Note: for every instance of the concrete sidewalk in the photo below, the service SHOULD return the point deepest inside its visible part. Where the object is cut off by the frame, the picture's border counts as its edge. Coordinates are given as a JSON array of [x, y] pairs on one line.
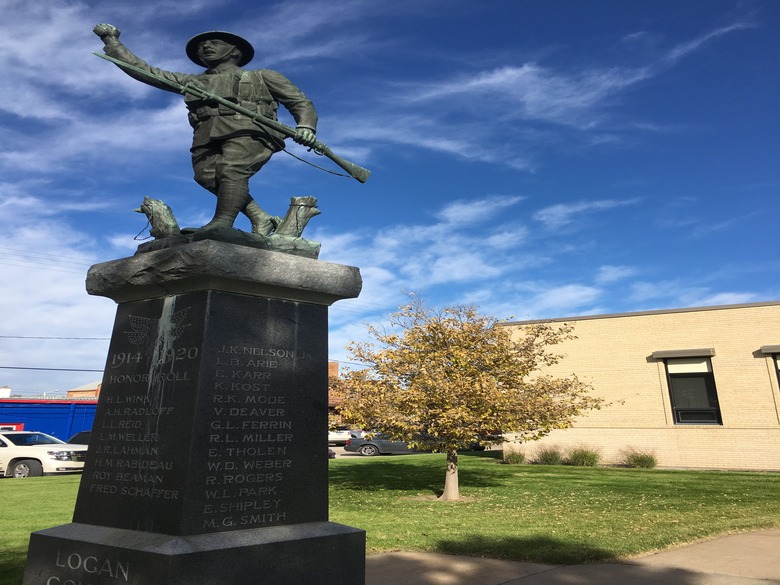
[[740, 559]]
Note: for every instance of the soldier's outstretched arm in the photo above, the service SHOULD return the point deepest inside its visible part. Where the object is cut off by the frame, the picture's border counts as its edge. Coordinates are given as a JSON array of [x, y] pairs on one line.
[[109, 34]]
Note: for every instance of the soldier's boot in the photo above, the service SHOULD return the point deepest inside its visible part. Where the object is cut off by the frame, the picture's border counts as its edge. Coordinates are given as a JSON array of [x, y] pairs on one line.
[[263, 223], [231, 199]]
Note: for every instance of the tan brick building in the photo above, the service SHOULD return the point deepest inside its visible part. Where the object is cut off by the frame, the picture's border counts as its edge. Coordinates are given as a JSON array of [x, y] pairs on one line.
[[697, 387]]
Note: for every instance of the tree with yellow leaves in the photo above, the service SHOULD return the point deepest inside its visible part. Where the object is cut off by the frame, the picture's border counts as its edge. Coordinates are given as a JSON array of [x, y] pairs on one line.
[[443, 379]]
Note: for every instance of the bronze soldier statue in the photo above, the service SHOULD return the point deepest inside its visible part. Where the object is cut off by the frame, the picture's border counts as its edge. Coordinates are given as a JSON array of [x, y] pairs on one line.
[[227, 147]]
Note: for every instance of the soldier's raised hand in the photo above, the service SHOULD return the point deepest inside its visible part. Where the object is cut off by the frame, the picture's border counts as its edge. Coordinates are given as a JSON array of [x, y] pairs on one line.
[[106, 31]]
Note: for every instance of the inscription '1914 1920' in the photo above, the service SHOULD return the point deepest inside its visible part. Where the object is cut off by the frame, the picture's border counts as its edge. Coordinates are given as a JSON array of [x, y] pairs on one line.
[[128, 460]]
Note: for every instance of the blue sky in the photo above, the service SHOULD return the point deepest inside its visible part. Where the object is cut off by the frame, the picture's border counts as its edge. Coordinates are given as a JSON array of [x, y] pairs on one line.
[[537, 159]]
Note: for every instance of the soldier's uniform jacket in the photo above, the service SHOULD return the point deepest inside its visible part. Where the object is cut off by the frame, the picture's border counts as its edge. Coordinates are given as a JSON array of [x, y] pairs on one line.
[[260, 90]]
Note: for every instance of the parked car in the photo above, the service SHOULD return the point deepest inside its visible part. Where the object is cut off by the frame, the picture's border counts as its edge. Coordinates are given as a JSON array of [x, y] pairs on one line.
[[341, 435], [81, 438], [378, 444], [29, 454]]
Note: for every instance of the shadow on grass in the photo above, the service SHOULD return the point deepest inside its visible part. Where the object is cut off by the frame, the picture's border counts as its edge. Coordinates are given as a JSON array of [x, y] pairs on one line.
[[424, 569], [537, 549], [402, 473], [12, 566], [492, 454]]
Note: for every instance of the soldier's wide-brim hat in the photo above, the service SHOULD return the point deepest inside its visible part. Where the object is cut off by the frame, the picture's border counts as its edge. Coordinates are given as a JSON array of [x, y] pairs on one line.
[[247, 51]]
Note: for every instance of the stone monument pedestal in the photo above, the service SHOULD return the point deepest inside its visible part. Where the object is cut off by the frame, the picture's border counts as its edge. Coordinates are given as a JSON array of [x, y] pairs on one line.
[[207, 462]]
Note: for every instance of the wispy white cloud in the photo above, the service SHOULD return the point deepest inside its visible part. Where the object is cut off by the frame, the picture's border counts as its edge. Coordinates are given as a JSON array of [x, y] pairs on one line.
[[142, 11], [681, 293], [561, 214], [567, 296], [639, 37], [311, 30], [476, 211], [99, 140], [684, 49], [123, 242], [19, 207], [683, 217], [611, 274], [541, 299], [553, 100], [536, 92], [464, 138], [466, 243], [507, 239], [726, 298]]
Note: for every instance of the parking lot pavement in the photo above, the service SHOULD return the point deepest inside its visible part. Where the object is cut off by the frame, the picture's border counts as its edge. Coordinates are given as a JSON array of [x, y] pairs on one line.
[[341, 453]]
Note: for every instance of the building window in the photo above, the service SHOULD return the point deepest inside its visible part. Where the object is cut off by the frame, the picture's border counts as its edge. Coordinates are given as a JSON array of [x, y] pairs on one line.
[[773, 351], [692, 391]]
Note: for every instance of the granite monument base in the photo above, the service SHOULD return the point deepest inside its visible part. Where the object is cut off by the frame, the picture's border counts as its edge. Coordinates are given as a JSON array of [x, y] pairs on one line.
[[207, 462], [301, 554]]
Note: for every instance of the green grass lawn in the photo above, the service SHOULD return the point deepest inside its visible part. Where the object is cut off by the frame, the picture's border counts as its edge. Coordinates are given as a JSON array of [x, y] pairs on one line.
[[30, 504], [546, 514], [549, 514]]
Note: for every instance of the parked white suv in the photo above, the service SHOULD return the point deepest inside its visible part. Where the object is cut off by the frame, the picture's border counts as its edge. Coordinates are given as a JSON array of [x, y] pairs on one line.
[[339, 436], [29, 454]]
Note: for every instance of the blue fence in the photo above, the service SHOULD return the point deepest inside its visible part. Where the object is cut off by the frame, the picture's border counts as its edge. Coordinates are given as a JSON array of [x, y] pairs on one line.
[[60, 418]]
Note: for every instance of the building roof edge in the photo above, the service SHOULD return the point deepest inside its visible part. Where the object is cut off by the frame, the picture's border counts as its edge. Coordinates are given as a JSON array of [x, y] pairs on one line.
[[646, 313]]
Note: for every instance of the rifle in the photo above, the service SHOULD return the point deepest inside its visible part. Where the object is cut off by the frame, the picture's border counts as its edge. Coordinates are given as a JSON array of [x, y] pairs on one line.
[[355, 171]]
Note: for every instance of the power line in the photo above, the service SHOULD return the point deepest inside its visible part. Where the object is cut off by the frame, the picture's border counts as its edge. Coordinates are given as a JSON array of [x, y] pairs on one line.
[[97, 339], [42, 261], [42, 267], [349, 363], [86, 370], [47, 369], [70, 338], [59, 258]]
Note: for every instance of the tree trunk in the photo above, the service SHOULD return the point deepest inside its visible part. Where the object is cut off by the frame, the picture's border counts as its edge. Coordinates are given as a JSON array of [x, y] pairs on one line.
[[301, 210], [451, 491]]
